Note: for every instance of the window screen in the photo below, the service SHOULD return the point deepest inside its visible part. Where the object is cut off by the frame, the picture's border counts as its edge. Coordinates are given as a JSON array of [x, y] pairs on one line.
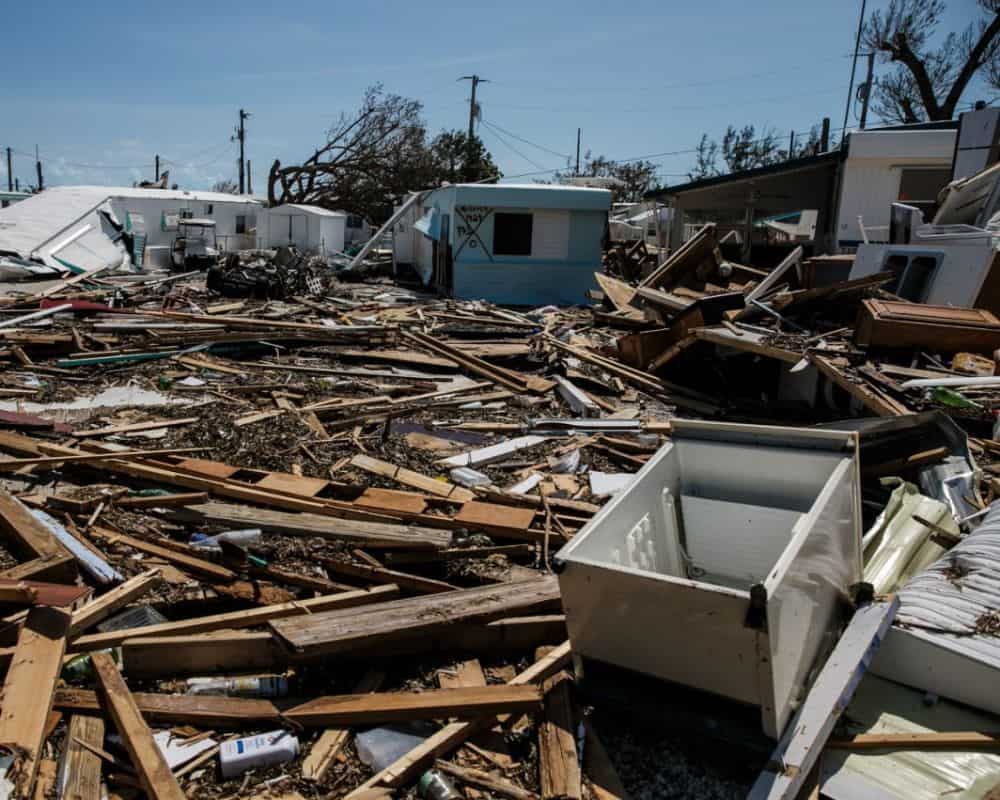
[[512, 234]]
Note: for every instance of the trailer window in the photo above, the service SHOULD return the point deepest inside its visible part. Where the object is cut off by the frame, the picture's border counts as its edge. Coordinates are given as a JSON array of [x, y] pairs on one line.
[[241, 223], [512, 234]]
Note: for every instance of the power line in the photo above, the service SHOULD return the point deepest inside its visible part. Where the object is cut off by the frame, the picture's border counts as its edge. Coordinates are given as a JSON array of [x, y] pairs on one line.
[[510, 146], [522, 139]]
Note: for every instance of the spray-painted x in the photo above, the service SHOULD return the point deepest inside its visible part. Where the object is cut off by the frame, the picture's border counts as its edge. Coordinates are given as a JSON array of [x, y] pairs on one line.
[[473, 231]]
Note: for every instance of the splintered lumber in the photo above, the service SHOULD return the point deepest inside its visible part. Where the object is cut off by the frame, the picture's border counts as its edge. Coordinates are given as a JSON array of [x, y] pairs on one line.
[[404, 580], [14, 464], [505, 521], [163, 500], [373, 709], [416, 480], [131, 427], [802, 743], [180, 709], [237, 619], [108, 603], [324, 752], [27, 691], [950, 740], [190, 563], [558, 764], [81, 767], [451, 736], [49, 568], [483, 780], [154, 774], [234, 652], [20, 527], [286, 523], [338, 631], [914, 461]]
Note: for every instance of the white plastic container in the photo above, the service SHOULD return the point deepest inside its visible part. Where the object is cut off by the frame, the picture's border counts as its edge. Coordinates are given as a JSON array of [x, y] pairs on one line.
[[254, 752]]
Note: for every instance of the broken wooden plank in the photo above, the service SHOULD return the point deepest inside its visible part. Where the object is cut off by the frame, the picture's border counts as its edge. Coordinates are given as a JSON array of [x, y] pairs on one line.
[[409, 477], [505, 521], [155, 776], [28, 691], [605, 783], [377, 708], [234, 620], [14, 464], [31, 537], [132, 427], [873, 400], [163, 500], [323, 754], [180, 709], [558, 765], [359, 532], [197, 565], [236, 652], [108, 603], [492, 453], [451, 736], [81, 767], [895, 466], [38, 593], [404, 580], [337, 631], [927, 741]]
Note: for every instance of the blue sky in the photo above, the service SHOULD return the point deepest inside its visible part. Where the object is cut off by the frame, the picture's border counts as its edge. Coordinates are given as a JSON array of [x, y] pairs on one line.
[[102, 87]]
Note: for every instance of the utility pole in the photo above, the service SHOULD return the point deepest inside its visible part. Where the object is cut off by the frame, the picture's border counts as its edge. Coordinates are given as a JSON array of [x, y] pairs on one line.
[[10, 173], [868, 89], [791, 146], [249, 179], [241, 135], [824, 137], [854, 66], [473, 113], [578, 151], [157, 159], [38, 169]]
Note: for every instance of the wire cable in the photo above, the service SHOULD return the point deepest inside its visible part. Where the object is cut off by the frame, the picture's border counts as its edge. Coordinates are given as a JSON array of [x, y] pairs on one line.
[[522, 139], [511, 147]]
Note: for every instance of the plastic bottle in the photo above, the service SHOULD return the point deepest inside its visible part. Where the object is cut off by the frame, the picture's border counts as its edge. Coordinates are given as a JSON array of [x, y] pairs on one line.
[[251, 752], [259, 686], [433, 785], [82, 667]]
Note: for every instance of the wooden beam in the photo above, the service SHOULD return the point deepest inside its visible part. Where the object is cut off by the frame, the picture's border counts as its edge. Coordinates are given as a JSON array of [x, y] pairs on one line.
[[323, 754], [151, 425], [27, 691], [235, 652], [108, 603], [238, 619], [451, 736], [181, 709], [190, 563], [154, 774], [40, 593], [48, 568], [558, 765], [163, 500], [913, 461], [81, 766], [375, 709], [337, 631]]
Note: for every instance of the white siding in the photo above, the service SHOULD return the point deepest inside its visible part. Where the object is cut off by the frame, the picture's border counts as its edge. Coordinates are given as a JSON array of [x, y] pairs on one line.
[[550, 235]]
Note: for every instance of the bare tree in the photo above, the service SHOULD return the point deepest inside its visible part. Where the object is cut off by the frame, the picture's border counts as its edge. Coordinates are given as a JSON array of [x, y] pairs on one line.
[[928, 81], [363, 152], [226, 187], [741, 149]]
